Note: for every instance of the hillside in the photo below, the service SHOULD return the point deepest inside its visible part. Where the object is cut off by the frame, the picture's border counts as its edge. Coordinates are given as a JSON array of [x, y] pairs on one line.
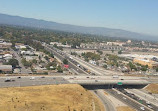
[[153, 88], [35, 23], [48, 98]]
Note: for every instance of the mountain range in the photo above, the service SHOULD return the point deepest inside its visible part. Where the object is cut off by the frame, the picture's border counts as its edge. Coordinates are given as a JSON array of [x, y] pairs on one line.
[[35, 23]]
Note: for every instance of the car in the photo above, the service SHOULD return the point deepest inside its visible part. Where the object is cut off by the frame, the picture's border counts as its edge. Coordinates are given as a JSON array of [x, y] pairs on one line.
[[71, 78], [142, 108], [19, 77], [96, 80], [149, 106], [122, 79], [32, 78], [148, 102], [7, 80], [42, 77], [124, 98], [13, 80]]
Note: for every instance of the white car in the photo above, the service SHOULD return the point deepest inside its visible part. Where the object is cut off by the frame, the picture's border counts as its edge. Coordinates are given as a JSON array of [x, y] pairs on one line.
[[32, 78], [142, 108], [149, 106]]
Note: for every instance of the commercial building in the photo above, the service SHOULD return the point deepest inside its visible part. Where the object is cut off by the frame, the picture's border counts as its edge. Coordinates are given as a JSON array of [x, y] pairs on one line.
[[6, 69], [145, 61]]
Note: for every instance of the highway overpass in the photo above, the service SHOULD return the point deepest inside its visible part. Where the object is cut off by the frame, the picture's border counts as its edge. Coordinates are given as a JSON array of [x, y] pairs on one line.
[[82, 80]]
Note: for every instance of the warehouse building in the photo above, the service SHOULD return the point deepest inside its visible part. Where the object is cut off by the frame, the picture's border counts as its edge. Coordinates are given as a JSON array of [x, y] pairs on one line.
[[145, 61]]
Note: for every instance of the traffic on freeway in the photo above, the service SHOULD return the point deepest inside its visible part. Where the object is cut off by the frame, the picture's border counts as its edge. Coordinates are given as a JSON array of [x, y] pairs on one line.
[[131, 101], [30, 81]]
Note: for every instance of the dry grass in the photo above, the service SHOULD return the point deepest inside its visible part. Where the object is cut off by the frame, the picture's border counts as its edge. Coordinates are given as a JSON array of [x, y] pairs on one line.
[[124, 108], [153, 88], [48, 98]]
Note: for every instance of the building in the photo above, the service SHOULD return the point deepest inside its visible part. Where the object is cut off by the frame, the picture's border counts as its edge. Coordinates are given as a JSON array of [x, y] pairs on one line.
[[60, 44], [102, 46], [6, 69], [115, 43], [129, 41], [145, 61], [7, 57]]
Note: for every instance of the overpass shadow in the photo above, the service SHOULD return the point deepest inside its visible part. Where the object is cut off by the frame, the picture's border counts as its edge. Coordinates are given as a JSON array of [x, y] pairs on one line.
[[110, 86]]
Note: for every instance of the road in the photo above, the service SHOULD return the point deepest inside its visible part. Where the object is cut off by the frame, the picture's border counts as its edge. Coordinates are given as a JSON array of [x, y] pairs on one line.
[[94, 68], [83, 80], [61, 56], [26, 81], [126, 100], [148, 97], [107, 104], [23, 69]]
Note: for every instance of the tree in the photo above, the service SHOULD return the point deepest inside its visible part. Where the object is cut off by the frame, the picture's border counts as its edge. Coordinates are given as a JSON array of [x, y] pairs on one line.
[[132, 66], [100, 52], [13, 62], [59, 69], [157, 69], [120, 52], [51, 55], [144, 69], [34, 61], [46, 57], [105, 66], [65, 61], [26, 63]]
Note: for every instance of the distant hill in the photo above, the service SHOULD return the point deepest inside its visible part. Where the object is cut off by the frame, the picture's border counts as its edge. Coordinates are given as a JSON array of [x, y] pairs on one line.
[[30, 22]]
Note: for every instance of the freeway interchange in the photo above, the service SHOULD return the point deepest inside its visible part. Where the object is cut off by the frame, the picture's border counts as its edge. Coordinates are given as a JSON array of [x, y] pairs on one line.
[[89, 75]]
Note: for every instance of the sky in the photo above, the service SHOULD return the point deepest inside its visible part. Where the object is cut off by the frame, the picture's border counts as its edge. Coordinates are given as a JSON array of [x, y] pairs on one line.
[[133, 15]]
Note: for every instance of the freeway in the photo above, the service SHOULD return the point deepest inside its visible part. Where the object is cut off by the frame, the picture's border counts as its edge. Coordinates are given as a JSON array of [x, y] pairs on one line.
[[151, 100], [127, 100], [16, 81], [83, 80], [94, 68], [61, 56], [106, 102]]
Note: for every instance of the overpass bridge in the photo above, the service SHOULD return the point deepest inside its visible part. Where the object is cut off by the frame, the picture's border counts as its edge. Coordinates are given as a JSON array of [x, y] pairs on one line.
[[82, 80]]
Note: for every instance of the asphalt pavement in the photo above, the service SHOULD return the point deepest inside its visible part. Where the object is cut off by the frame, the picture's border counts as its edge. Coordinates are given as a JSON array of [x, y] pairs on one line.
[[61, 56], [126, 100], [31, 81], [107, 104]]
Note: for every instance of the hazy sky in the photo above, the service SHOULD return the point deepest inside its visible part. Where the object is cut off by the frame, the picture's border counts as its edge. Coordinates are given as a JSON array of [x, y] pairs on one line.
[[134, 15]]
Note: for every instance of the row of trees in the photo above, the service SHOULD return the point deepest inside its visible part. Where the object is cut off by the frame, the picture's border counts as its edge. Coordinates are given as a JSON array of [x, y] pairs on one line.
[[90, 55]]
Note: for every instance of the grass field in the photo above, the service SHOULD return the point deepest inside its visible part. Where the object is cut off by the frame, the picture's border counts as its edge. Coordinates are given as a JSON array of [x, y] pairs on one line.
[[48, 98], [124, 108], [153, 88]]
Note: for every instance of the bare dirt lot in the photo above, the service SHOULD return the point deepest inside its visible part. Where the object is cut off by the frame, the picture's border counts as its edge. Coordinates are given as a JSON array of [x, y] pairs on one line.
[[153, 88], [49, 98], [124, 108]]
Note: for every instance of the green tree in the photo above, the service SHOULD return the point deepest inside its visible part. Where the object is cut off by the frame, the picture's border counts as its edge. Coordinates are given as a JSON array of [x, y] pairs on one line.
[[34, 61], [105, 66], [65, 61], [120, 52], [59, 69], [100, 52], [13, 62], [157, 69]]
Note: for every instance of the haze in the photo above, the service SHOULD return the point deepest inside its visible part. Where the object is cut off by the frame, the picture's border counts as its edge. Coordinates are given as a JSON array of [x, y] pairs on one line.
[[136, 15]]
